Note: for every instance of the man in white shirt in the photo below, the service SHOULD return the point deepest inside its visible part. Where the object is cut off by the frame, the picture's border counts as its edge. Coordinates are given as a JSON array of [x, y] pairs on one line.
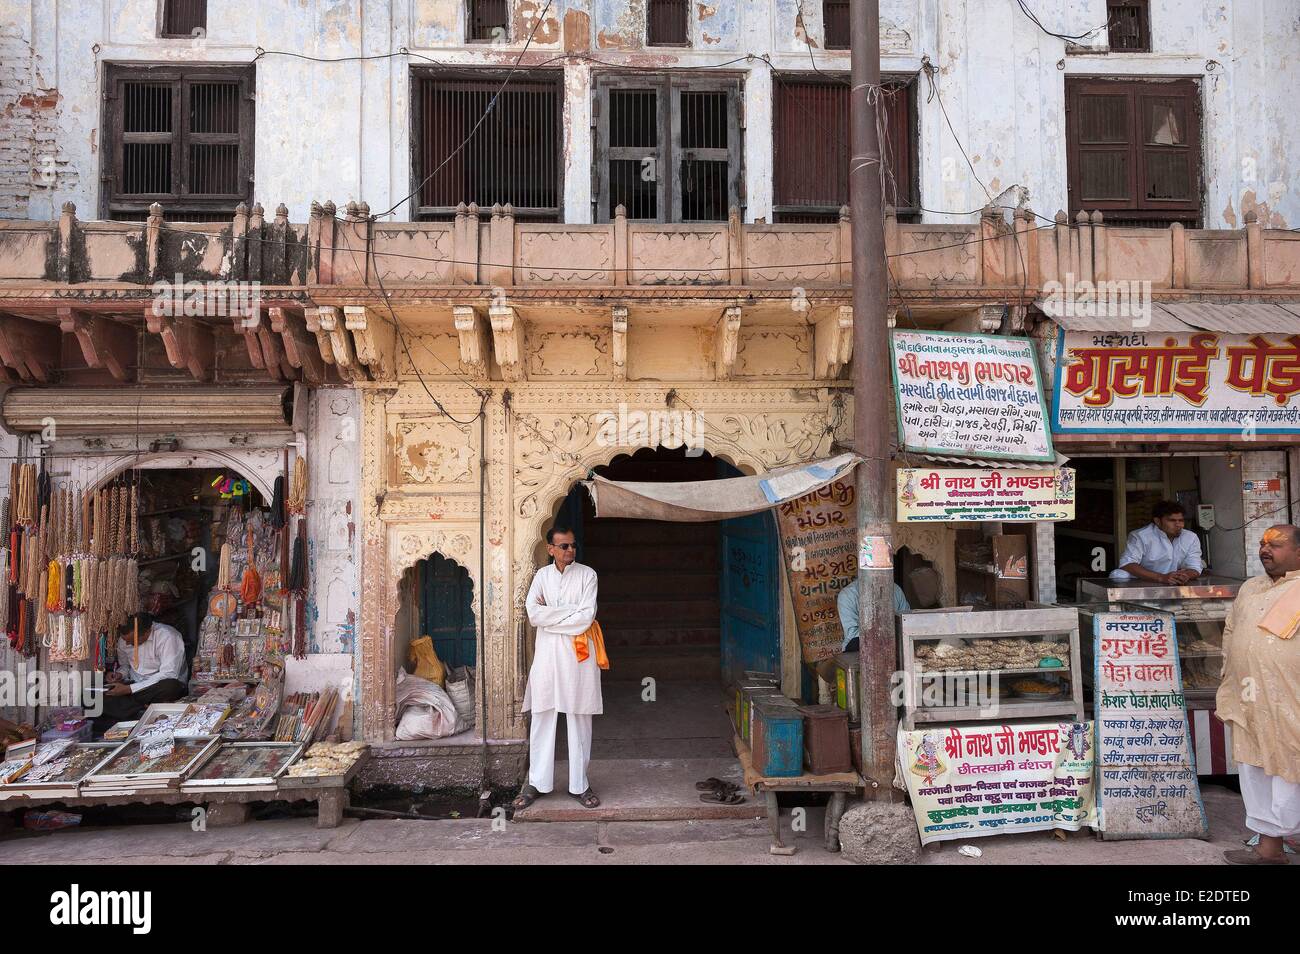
[[154, 672], [561, 605], [1162, 551]]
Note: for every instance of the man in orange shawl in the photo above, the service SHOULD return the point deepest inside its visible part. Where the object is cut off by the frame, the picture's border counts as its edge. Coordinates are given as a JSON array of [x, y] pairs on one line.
[[1260, 696]]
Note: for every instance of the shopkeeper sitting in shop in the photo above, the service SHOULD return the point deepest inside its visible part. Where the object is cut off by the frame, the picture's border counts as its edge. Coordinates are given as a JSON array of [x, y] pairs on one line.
[[150, 669], [1162, 551], [847, 606]]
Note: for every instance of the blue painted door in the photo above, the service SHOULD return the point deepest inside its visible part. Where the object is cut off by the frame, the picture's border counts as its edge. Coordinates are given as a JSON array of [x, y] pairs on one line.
[[751, 622], [446, 610]]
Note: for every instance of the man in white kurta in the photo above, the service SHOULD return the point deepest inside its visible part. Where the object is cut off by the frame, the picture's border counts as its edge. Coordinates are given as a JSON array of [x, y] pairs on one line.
[[561, 605], [1260, 696]]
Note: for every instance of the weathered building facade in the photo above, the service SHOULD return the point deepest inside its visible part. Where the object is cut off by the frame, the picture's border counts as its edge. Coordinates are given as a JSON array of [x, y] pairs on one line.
[[503, 229]]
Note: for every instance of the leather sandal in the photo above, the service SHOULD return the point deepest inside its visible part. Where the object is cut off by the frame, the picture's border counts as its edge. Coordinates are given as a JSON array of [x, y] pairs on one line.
[[587, 799], [527, 795], [716, 785]]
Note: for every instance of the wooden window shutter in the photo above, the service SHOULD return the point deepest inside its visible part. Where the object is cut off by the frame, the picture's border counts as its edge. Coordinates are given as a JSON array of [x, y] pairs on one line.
[[1169, 136], [1133, 149], [1100, 147]]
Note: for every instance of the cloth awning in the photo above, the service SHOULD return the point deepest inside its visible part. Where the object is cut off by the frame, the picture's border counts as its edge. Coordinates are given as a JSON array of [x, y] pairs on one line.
[[701, 501], [1183, 316]]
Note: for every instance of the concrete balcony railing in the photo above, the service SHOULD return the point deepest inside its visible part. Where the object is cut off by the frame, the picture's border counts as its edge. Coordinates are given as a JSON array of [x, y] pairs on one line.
[[990, 257]]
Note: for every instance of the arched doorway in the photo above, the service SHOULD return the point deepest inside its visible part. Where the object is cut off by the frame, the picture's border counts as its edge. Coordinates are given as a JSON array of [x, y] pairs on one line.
[[436, 600], [690, 606]]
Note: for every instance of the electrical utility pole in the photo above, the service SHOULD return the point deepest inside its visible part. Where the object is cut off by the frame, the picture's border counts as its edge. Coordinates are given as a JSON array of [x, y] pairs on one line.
[[871, 397]]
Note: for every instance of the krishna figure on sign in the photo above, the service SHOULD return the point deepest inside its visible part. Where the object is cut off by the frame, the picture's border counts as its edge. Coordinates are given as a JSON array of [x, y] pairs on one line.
[[927, 762]]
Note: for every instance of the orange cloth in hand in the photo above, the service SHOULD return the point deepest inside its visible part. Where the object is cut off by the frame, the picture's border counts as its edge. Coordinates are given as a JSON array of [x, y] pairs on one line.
[[581, 643]]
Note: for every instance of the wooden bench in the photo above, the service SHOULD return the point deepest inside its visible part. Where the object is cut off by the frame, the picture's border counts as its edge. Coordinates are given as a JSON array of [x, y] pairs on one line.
[[330, 793], [840, 785]]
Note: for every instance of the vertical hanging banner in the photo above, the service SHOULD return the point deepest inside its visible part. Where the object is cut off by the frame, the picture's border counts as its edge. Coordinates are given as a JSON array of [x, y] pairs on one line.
[[818, 541], [969, 395], [1147, 779]]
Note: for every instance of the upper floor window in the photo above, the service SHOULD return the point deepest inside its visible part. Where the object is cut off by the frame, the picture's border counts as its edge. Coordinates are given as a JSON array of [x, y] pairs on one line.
[[178, 136], [666, 22], [667, 147], [1128, 23], [1133, 150], [811, 133], [513, 157], [488, 20], [835, 24], [186, 18]]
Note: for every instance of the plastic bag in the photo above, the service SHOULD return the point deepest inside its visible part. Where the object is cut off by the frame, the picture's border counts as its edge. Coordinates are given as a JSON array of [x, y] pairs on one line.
[[424, 710]]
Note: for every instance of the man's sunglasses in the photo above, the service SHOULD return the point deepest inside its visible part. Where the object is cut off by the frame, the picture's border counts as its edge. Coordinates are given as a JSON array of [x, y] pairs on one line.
[[565, 546]]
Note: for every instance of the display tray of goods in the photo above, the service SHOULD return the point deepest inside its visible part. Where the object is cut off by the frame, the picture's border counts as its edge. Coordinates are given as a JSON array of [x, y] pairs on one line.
[[1038, 690], [326, 759], [1011, 653]]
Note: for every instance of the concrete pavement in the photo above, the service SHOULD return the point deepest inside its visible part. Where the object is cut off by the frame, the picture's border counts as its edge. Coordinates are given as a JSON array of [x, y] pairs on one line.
[[471, 841]]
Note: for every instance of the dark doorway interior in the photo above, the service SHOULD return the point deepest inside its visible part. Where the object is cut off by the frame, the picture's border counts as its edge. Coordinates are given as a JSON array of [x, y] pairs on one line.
[[685, 605]]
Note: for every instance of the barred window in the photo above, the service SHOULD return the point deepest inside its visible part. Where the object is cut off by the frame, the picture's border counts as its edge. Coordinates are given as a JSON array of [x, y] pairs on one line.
[[488, 20], [666, 22], [667, 148], [513, 156], [811, 133], [182, 138], [186, 18]]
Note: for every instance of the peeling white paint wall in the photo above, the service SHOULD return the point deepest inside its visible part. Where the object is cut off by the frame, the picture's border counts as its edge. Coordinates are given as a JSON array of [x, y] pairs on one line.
[[340, 130]]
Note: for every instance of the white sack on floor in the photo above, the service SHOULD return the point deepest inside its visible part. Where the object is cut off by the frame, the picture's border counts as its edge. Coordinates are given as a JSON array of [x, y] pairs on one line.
[[424, 710]]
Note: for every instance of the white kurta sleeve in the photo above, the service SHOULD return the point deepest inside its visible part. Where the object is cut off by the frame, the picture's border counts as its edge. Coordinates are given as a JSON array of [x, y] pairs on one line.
[[171, 661], [1193, 560], [567, 619]]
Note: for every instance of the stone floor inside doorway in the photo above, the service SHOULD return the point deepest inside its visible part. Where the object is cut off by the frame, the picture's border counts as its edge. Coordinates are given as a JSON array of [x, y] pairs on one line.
[[647, 755]]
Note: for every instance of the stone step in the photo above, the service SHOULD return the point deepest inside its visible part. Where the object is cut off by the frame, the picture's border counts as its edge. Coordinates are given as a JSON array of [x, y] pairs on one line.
[[644, 790]]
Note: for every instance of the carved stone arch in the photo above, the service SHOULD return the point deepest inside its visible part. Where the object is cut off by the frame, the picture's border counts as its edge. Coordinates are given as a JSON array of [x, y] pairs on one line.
[[408, 544], [260, 474], [535, 512]]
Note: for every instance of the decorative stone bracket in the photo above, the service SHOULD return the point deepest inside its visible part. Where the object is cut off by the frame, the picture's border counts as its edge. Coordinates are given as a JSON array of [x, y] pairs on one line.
[[727, 341], [472, 332], [834, 342], [508, 342]]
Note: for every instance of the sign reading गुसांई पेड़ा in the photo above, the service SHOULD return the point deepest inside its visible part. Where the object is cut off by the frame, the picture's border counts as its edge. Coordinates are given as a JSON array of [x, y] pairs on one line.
[[969, 395], [1147, 786], [1197, 382]]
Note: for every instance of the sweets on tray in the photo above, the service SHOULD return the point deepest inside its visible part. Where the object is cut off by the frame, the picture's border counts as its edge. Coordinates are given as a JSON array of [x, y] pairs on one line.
[[993, 654]]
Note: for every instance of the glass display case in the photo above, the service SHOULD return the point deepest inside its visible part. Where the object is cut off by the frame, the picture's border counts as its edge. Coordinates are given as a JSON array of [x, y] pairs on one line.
[[1200, 610], [965, 664]]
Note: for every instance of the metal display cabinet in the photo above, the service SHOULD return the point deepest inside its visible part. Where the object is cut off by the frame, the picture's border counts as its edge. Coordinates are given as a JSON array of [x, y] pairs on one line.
[[1200, 610], [1035, 622]]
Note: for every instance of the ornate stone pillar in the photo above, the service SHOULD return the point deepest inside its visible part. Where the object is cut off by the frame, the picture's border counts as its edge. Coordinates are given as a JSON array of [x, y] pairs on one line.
[[376, 617]]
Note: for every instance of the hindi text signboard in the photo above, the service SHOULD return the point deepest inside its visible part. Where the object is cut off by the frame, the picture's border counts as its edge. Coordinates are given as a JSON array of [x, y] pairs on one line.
[[996, 780], [929, 494], [1147, 785], [818, 540], [969, 395], [1176, 383]]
